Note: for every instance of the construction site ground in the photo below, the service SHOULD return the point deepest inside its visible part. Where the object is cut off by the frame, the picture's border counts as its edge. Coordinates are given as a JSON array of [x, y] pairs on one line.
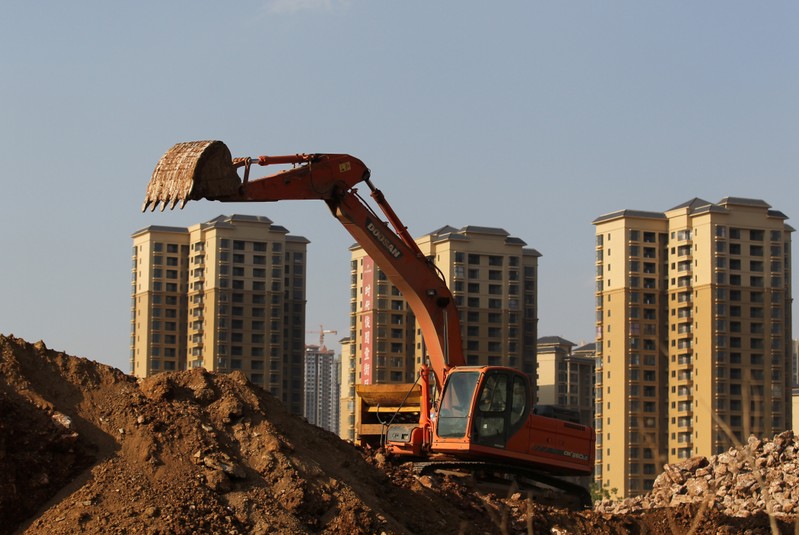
[[86, 448]]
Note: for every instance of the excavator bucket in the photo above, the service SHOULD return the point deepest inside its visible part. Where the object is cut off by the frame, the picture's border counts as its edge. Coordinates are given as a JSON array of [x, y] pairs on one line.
[[190, 171]]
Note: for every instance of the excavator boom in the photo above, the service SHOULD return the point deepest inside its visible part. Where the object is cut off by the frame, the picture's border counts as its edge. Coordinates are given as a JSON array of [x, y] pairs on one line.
[[205, 170]]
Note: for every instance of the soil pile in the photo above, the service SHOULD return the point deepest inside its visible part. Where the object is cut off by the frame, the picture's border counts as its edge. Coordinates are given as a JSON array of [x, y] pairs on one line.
[[85, 448]]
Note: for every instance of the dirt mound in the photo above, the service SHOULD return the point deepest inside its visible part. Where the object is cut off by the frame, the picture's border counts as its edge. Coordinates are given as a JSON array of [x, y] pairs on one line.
[[86, 448]]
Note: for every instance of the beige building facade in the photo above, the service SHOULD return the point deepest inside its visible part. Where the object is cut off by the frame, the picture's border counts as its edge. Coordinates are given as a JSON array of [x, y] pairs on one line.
[[225, 295], [493, 277], [565, 376], [693, 334]]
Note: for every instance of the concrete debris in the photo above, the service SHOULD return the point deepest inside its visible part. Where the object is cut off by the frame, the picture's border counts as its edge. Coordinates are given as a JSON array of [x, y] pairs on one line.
[[759, 476]]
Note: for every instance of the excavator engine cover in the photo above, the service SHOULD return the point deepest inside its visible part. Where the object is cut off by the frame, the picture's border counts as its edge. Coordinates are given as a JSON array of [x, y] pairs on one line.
[[191, 171], [400, 433], [405, 439]]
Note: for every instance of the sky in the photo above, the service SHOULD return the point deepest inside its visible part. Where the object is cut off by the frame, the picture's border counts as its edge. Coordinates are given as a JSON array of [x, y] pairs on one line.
[[535, 117]]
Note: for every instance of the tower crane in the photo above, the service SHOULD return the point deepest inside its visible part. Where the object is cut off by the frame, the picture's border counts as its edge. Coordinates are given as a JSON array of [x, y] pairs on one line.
[[322, 332]]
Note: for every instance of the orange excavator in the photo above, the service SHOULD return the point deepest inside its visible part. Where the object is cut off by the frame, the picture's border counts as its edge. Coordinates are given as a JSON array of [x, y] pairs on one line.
[[483, 418]]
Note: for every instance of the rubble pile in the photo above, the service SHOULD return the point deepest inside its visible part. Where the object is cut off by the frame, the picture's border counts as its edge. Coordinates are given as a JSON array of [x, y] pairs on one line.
[[85, 448], [759, 476]]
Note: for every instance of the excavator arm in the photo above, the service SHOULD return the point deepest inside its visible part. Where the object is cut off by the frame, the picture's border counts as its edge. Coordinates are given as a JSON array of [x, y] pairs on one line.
[[205, 170]]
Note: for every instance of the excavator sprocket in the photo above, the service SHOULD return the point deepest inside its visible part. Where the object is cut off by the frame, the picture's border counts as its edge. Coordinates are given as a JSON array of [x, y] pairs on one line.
[[191, 171]]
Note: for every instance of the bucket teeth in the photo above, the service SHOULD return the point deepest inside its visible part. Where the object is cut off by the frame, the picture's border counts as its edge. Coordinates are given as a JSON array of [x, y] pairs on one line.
[[153, 205]]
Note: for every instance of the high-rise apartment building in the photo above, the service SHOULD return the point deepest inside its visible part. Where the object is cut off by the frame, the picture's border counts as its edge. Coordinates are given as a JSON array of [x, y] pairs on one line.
[[566, 376], [322, 386], [347, 366], [693, 334], [493, 277], [227, 294]]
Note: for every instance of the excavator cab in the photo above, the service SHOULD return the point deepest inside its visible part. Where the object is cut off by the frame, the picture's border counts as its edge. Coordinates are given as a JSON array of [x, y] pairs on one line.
[[483, 406]]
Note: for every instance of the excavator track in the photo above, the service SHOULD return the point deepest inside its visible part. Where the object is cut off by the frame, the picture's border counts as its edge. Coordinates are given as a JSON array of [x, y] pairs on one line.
[[497, 475]]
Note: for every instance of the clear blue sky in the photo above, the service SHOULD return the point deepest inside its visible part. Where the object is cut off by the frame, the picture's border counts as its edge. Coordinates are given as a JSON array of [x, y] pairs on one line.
[[536, 117]]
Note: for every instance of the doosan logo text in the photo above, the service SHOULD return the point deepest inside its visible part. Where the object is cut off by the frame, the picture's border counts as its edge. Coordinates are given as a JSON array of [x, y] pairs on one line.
[[382, 239]]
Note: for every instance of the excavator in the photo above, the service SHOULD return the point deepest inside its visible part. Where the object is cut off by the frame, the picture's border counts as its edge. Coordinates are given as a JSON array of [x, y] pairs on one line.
[[483, 419]]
